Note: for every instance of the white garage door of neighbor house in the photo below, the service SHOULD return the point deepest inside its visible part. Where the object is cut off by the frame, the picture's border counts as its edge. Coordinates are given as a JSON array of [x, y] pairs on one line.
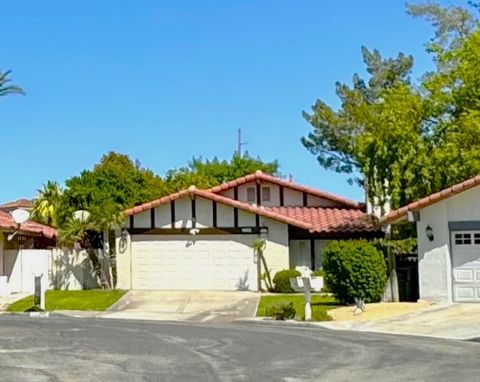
[[466, 266], [213, 262]]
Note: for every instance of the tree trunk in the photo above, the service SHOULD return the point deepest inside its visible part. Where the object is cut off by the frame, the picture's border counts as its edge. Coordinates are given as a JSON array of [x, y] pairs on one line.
[[97, 266]]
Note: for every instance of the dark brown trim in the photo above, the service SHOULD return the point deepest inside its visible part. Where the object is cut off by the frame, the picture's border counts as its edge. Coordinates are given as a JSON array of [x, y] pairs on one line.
[[305, 199], [259, 196], [194, 213], [152, 218], [235, 217], [131, 221], [235, 193], [282, 201], [202, 231], [312, 254], [214, 212], [172, 213], [257, 220]]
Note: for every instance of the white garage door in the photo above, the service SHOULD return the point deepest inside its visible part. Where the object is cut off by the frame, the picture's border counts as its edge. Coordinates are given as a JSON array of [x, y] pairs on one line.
[[466, 266], [206, 262]]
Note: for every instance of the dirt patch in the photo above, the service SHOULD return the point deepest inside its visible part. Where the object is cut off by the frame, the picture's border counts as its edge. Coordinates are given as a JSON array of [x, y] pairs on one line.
[[379, 311]]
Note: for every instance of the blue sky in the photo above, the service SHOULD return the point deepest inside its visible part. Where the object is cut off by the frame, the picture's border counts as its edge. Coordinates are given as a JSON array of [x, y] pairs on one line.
[[163, 81]]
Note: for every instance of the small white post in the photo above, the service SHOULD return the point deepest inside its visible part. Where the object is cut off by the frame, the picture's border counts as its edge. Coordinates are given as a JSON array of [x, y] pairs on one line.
[[307, 288]]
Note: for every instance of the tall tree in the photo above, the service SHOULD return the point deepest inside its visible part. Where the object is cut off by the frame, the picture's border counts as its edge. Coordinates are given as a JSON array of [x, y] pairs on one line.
[[404, 140], [6, 87], [208, 173]]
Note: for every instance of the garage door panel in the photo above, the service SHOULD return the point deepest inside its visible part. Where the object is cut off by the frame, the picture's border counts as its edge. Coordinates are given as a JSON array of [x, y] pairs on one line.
[[466, 266], [215, 263]]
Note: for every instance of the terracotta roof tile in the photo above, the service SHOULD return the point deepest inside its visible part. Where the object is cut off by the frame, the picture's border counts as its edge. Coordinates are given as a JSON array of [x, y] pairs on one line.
[[324, 219], [272, 179], [430, 199], [20, 203], [314, 219], [29, 227]]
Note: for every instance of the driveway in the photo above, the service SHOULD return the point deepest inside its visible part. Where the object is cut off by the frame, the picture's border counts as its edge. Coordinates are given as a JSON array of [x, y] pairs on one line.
[[456, 321], [196, 306], [70, 349]]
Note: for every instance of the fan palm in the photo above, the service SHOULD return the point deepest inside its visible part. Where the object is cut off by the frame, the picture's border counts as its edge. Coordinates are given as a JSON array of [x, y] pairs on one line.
[[46, 207], [5, 85]]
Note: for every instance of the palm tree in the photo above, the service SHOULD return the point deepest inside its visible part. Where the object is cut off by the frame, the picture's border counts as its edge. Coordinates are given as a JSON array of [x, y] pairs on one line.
[[6, 88], [46, 207]]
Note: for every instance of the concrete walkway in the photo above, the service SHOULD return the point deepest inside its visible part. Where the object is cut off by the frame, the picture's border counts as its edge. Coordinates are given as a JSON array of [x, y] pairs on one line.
[[195, 306], [456, 321]]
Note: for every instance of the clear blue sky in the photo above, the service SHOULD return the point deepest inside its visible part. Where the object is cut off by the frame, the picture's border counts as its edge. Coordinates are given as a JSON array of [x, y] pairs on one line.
[[163, 81]]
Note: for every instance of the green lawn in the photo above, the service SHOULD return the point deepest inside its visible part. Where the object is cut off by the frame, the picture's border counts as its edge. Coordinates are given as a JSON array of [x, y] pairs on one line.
[[98, 300], [320, 305]]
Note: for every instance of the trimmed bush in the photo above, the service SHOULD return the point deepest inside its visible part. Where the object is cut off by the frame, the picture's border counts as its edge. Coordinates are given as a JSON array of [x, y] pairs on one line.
[[281, 311], [354, 269], [318, 273], [281, 280]]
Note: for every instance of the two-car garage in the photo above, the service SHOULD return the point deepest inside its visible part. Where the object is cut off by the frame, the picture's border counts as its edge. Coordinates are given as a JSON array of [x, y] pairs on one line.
[[188, 262]]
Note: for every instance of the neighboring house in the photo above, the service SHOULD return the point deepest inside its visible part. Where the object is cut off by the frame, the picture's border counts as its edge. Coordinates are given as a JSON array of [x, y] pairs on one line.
[[23, 253], [24, 204], [202, 239], [448, 231]]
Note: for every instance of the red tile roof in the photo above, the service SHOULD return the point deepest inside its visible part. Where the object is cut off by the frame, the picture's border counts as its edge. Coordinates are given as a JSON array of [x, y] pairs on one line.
[[19, 203], [431, 199], [281, 182], [314, 219], [330, 219], [27, 228]]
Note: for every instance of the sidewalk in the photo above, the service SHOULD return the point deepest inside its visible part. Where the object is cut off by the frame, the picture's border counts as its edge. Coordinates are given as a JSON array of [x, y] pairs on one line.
[[456, 321]]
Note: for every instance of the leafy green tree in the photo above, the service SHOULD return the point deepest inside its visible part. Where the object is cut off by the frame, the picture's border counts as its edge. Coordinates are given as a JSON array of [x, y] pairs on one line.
[[6, 87], [208, 173], [404, 140]]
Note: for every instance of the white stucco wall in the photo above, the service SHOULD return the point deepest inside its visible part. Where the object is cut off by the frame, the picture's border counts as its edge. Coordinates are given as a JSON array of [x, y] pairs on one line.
[[435, 258]]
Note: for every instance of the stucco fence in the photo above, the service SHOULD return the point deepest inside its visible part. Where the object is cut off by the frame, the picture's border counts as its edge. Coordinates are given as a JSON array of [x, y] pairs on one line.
[[66, 269]]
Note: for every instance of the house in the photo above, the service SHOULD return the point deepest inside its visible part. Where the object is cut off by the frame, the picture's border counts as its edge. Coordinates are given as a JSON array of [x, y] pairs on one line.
[[448, 232], [202, 239], [22, 251]]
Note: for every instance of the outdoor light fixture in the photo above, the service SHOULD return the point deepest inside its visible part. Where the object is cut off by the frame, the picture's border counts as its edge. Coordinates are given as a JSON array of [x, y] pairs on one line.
[[263, 232], [19, 216], [124, 233], [81, 216], [429, 232]]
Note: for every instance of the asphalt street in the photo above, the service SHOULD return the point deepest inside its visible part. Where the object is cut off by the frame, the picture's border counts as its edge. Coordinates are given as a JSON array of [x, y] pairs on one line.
[[71, 349]]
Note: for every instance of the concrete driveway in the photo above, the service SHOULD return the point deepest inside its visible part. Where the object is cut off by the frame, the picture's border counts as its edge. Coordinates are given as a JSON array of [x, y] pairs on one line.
[[196, 306], [456, 321]]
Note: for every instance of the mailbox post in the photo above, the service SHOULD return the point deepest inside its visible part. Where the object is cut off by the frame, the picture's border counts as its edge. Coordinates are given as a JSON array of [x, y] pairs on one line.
[[305, 283], [39, 296]]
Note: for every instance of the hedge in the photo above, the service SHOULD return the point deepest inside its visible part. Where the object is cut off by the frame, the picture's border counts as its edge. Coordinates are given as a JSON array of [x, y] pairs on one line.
[[354, 268]]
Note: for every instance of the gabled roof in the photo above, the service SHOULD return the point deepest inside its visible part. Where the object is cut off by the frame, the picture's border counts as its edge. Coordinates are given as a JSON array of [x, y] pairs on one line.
[[313, 219], [431, 199], [19, 203], [259, 175], [27, 228]]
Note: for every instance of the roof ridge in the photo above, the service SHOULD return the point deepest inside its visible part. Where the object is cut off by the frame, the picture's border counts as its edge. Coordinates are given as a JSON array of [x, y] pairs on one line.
[[274, 179], [431, 199]]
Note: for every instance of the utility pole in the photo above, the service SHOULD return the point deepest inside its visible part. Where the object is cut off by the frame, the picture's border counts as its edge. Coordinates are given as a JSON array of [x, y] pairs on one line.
[[240, 143]]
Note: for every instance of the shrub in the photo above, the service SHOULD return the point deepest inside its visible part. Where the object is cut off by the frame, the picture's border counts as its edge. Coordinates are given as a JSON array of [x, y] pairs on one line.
[[282, 280], [281, 311], [318, 273], [354, 269]]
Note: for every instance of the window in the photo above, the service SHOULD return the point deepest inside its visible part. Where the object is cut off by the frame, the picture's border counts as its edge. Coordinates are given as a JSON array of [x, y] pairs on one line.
[[465, 238], [476, 238], [251, 194], [265, 194]]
